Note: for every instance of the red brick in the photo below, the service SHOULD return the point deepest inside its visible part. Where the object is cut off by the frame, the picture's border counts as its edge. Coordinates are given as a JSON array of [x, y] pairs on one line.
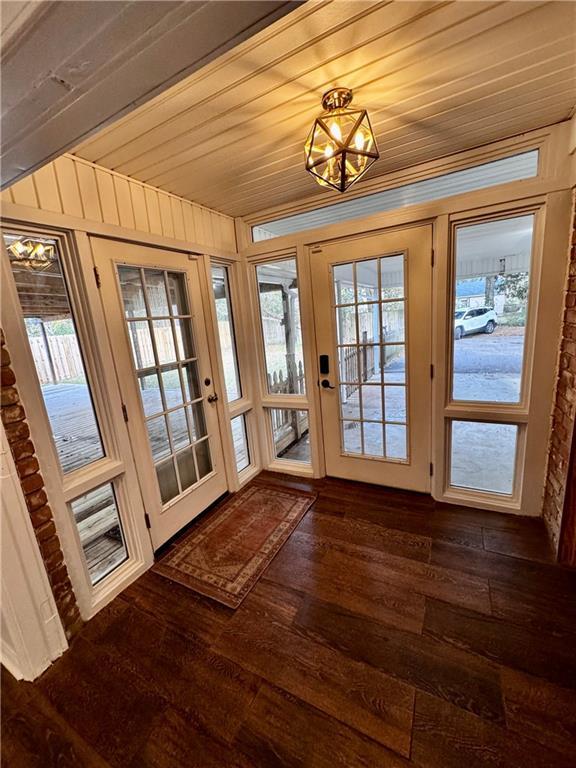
[[22, 449], [12, 414], [17, 431], [4, 357], [9, 396], [32, 483], [7, 377], [48, 548], [54, 560], [41, 516], [27, 466], [59, 577], [36, 500], [46, 531]]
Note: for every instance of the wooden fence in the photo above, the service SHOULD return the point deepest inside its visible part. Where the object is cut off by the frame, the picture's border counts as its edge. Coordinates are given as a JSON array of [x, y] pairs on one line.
[[57, 358], [356, 365], [288, 425]]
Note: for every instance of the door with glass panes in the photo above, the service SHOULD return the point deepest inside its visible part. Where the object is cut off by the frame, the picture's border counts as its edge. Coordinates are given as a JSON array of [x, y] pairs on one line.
[[372, 308], [156, 323]]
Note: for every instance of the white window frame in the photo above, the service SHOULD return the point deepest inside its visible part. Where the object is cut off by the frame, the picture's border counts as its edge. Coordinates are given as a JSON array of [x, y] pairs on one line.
[[117, 466], [299, 402], [490, 411], [546, 140], [549, 191], [244, 405]]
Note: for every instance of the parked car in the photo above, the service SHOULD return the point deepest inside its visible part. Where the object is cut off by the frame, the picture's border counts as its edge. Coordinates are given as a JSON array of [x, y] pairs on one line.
[[477, 320]]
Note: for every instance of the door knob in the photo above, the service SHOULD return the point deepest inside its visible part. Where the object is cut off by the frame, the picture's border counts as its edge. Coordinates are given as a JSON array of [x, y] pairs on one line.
[[212, 398], [325, 384]]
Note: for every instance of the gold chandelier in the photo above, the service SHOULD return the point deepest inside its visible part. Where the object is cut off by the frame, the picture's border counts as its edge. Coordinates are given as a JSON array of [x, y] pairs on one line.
[[341, 146]]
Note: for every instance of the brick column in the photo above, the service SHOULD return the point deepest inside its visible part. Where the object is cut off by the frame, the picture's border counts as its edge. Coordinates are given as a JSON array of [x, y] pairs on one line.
[[564, 412], [32, 483]]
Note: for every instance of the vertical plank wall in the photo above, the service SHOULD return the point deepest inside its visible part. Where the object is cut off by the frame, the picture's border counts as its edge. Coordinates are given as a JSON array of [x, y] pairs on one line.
[[82, 189]]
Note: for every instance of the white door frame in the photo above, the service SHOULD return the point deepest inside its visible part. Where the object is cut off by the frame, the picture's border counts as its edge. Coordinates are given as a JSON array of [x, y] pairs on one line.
[[165, 520], [416, 245]]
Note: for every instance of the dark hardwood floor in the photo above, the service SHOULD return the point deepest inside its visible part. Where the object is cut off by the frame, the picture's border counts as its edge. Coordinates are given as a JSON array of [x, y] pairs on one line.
[[388, 632]]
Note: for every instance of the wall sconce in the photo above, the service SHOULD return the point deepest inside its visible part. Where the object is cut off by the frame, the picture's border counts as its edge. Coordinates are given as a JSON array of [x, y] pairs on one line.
[[341, 146]]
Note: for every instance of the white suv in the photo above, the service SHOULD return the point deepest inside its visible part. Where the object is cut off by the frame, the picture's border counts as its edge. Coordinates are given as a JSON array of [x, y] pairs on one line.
[[477, 320]]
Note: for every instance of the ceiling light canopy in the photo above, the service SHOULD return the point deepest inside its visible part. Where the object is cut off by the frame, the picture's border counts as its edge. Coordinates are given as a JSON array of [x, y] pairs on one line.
[[341, 146]]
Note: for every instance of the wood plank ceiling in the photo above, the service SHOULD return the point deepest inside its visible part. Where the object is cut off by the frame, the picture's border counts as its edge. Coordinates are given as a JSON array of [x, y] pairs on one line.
[[437, 77]]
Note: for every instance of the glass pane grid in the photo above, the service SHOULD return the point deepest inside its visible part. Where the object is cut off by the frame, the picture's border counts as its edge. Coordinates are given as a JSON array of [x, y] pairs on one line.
[[168, 377], [369, 307]]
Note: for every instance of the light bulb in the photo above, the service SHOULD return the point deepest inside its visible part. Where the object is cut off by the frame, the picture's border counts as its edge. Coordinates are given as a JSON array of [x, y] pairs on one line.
[[335, 131], [329, 150], [359, 140]]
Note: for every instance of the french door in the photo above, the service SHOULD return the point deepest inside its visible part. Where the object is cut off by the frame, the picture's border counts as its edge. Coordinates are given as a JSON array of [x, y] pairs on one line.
[[372, 308], [155, 319]]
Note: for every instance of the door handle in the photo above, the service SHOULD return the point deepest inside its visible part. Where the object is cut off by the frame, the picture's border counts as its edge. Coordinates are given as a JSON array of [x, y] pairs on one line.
[[212, 398], [325, 384]]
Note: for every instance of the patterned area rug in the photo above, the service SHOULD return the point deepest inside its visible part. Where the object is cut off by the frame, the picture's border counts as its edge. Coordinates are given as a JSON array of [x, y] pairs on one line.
[[224, 556]]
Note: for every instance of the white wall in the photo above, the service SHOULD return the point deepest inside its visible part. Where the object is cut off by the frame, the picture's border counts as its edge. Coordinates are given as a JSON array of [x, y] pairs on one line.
[[31, 632], [81, 189]]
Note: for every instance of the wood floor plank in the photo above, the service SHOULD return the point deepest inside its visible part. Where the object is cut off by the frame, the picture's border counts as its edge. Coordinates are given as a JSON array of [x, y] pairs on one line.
[[408, 520], [531, 577], [448, 737], [212, 691], [383, 635], [409, 545], [465, 680], [14, 692], [530, 543], [111, 709], [302, 565], [177, 606], [283, 732], [36, 736], [522, 649], [362, 697], [536, 610], [389, 570], [540, 711], [175, 742]]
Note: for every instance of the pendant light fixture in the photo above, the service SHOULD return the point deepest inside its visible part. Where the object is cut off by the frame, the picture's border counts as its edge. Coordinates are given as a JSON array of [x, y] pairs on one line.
[[341, 146]]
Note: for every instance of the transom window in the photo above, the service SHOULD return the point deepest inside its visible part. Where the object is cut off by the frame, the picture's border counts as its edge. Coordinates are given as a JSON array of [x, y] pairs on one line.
[[369, 313], [159, 324]]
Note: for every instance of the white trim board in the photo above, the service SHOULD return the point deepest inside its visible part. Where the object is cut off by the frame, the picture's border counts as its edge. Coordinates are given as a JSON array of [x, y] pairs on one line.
[[32, 633]]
